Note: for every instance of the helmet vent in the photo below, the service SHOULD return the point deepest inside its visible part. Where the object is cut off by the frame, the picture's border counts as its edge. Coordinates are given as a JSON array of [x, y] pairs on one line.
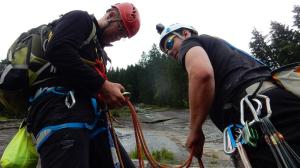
[[131, 16]]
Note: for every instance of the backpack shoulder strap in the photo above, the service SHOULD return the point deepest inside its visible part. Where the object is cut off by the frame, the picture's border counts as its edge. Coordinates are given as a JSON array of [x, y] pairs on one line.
[[285, 67], [91, 36]]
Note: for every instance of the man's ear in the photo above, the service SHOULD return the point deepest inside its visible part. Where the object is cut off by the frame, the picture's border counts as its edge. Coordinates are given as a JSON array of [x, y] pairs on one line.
[[111, 15], [186, 33]]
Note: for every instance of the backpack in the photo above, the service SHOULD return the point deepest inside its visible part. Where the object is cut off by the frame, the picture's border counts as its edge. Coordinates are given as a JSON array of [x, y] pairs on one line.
[[288, 77], [25, 63]]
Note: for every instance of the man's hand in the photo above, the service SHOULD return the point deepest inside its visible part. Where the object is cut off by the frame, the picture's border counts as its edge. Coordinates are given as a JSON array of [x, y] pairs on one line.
[[112, 94], [195, 142]]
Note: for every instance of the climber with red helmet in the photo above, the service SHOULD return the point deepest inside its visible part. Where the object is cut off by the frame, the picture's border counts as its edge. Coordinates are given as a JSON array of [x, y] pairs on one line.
[[68, 108]]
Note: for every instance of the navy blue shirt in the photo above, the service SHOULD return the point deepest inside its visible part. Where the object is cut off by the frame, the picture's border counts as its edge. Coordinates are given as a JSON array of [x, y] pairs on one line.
[[64, 51], [234, 70]]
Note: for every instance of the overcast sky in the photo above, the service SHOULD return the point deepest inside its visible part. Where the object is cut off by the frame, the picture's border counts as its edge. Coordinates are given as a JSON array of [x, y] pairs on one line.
[[232, 20]]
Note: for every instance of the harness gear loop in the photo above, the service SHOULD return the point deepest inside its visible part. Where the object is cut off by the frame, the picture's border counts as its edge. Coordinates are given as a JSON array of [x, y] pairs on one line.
[[282, 152]]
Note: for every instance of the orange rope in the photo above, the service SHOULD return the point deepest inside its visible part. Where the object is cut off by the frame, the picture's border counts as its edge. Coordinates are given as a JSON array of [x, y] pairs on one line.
[[142, 147]]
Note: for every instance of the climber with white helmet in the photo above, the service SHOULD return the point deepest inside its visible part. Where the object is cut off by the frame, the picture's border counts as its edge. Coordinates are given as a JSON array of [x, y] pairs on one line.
[[219, 76]]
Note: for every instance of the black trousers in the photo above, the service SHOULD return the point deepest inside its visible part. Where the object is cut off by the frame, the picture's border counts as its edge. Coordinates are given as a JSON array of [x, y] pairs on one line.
[[71, 147], [286, 119]]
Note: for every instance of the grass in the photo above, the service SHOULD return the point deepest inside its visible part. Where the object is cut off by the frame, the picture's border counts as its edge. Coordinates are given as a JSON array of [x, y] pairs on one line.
[[2, 118], [213, 162], [120, 112], [214, 159], [163, 155], [215, 156]]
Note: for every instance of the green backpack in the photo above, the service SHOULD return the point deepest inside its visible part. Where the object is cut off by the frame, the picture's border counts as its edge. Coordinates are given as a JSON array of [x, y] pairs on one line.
[[25, 63]]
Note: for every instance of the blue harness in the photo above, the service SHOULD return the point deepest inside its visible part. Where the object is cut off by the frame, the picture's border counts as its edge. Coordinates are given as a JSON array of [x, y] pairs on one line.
[[46, 132]]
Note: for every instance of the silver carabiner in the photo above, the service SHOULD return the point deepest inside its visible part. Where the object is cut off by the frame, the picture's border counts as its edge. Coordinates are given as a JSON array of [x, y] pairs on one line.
[[242, 111], [228, 148], [73, 101], [252, 109], [254, 112], [269, 111], [259, 107]]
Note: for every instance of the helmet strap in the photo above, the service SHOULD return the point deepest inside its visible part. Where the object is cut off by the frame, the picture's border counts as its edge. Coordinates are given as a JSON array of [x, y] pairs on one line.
[[109, 21], [179, 35], [112, 16]]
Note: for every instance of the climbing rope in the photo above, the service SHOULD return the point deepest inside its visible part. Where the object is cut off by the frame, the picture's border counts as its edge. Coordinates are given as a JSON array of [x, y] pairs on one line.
[[142, 146]]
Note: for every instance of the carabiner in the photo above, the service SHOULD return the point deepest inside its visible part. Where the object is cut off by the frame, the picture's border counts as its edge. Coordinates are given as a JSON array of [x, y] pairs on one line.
[[73, 101], [229, 140], [269, 111], [126, 94], [259, 107], [252, 109], [228, 147]]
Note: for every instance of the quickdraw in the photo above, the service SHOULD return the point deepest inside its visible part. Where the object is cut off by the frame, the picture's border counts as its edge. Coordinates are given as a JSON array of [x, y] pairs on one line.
[[282, 152]]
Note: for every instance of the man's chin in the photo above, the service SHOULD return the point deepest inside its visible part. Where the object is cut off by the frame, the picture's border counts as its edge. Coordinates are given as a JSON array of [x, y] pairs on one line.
[[107, 42]]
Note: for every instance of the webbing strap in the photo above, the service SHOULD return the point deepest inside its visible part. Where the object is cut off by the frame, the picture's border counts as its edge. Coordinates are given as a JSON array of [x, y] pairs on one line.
[[5, 72], [46, 132], [91, 36], [42, 91], [43, 68]]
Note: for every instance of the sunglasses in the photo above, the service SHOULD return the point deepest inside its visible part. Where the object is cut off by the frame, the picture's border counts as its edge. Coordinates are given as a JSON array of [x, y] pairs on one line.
[[169, 43]]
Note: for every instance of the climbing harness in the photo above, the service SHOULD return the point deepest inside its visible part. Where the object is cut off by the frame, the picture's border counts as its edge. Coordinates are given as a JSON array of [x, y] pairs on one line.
[[141, 143], [70, 101], [246, 134]]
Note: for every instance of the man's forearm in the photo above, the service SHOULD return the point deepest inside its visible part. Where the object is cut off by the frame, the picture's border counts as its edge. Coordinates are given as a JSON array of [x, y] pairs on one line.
[[201, 92]]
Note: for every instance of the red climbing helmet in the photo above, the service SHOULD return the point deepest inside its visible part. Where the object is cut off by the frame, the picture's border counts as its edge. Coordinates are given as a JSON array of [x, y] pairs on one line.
[[130, 17]]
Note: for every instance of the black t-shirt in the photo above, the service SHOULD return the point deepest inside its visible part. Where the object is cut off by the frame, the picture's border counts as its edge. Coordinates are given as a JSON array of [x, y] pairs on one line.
[[234, 70]]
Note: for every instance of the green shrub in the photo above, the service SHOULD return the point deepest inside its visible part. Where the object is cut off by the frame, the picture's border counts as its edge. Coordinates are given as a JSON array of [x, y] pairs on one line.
[[162, 155], [120, 112]]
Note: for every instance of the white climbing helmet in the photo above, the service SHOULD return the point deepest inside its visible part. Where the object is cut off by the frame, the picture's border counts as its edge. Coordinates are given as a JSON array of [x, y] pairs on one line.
[[164, 32]]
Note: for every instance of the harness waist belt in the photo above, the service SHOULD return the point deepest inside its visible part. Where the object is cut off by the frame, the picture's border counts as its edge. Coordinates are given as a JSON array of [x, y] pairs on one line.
[[265, 86]]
